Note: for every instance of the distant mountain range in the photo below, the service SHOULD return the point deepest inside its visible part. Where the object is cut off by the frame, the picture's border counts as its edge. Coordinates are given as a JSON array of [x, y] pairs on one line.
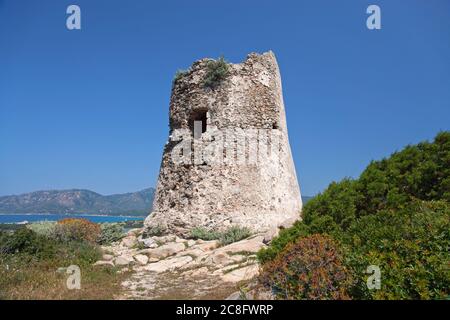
[[78, 201]]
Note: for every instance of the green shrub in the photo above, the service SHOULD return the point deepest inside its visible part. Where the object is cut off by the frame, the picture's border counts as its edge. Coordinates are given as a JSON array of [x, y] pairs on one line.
[[179, 74], [417, 172], [154, 231], [216, 72], [230, 235], [204, 234], [26, 241], [396, 216], [9, 227], [28, 262], [234, 234], [311, 268], [409, 245], [71, 229], [110, 232], [285, 237], [43, 228]]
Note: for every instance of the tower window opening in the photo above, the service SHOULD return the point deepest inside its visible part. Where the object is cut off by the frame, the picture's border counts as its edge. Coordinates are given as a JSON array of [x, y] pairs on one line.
[[199, 123]]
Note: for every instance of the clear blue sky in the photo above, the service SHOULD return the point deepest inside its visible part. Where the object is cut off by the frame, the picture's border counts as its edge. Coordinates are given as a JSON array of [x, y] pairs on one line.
[[89, 108]]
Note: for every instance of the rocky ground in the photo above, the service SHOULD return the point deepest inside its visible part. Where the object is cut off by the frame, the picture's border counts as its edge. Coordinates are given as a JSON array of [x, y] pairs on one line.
[[169, 267]]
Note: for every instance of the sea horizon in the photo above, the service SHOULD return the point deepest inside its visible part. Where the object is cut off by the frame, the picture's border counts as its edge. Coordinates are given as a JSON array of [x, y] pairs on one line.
[[14, 218]]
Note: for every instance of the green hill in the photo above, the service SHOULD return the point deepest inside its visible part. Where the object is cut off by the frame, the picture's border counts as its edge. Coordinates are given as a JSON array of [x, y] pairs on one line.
[[79, 201]]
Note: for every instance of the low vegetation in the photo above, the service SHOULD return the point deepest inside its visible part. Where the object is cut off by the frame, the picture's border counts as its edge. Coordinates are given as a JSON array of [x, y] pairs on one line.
[[395, 216], [31, 256], [230, 235], [179, 74], [217, 71], [310, 268], [110, 232], [154, 231], [71, 229]]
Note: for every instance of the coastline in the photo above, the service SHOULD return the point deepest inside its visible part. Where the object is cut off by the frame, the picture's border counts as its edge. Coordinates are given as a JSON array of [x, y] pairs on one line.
[[71, 214], [24, 218]]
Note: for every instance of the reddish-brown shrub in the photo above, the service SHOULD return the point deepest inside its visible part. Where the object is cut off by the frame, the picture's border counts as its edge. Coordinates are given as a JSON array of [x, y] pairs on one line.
[[71, 229], [310, 268]]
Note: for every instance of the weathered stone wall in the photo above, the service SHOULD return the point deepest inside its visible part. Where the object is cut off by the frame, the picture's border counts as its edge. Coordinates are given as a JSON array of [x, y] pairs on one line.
[[259, 192]]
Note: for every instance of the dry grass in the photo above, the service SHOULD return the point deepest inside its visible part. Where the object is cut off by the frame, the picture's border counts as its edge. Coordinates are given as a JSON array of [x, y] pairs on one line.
[[25, 278]]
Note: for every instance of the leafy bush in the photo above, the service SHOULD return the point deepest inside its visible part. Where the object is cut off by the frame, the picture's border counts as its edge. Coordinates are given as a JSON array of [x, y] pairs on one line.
[[25, 241], [110, 232], [409, 245], [8, 227], [396, 216], [43, 228], [417, 172], [71, 229], [217, 71], [311, 268], [234, 234]]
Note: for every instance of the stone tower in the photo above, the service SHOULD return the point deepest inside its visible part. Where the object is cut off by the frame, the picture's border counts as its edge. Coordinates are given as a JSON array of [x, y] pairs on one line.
[[227, 160]]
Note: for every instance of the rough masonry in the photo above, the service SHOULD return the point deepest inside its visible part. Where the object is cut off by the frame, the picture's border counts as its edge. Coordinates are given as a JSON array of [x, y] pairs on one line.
[[238, 170]]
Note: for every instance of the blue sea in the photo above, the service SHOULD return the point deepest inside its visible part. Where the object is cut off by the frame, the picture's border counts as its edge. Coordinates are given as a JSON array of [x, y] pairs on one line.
[[21, 218]]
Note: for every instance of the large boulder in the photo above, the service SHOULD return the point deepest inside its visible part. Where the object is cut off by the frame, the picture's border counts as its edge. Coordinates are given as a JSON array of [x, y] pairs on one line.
[[166, 265], [104, 263], [251, 245], [123, 260], [141, 259], [164, 251], [129, 241], [206, 245], [241, 274]]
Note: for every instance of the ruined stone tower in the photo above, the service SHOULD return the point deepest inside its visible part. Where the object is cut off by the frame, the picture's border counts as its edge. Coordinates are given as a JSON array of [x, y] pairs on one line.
[[237, 168]]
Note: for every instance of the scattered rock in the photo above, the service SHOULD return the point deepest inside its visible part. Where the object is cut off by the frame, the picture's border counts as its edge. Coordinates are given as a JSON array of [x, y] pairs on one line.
[[195, 252], [104, 263], [252, 245], [123, 260], [207, 245], [129, 241], [134, 232], [107, 257], [219, 259], [165, 250], [190, 242], [141, 259], [166, 265], [151, 260], [164, 239], [148, 242]]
